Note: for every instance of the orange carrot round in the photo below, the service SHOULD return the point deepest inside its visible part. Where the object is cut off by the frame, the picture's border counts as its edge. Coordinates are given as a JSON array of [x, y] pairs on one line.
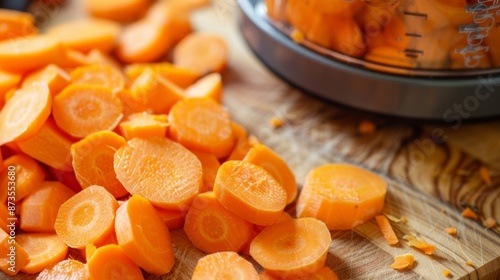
[[224, 265], [44, 250], [66, 269], [117, 10], [99, 74], [209, 86], [111, 262]]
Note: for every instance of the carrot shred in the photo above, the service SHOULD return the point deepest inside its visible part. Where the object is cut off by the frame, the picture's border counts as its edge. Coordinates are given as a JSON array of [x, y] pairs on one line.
[[387, 230], [451, 230], [468, 213], [419, 244], [403, 262], [29, 176], [490, 222], [44, 250], [21, 256], [485, 175], [111, 262], [66, 269], [224, 265]]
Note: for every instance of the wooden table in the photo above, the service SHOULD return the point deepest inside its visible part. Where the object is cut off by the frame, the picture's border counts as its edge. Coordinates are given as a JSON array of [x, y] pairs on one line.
[[429, 177]]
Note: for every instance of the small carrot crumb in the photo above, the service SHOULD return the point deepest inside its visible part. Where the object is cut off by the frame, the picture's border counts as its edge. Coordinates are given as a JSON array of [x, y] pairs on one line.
[[403, 262], [419, 244], [366, 127], [469, 263], [396, 220], [276, 122], [468, 213], [297, 36], [451, 230], [446, 273], [404, 220], [490, 223], [485, 175], [252, 140]]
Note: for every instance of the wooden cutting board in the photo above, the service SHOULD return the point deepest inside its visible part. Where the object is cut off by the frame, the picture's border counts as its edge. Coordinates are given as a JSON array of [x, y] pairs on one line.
[[428, 180]]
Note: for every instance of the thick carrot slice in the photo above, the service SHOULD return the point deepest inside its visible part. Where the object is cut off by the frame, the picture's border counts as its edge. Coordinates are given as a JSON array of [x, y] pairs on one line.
[[93, 161], [25, 54], [144, 125], [179, 76], [8, 81], [209, 86], [403, 262], [212, 228], [44, 250], [46, 199], [72, 59], [16, 24], [86, 34], [111, 262], [201, 53], [87, 217], [276, 166], [210, 165], [81, 110], [170, 175], [24, 114], [203, 125], [65, 270], [224, 265], [117, 10], [172, 17], [28, 176], [332, 189], [172, 219], [52, 75], [250, 192], [11, 261], [56, 147], [152, 248], [295, 248], [99, 74], [387, 231], [242, 141]]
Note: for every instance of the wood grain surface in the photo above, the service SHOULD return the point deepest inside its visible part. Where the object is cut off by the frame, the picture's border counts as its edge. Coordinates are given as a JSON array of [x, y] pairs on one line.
[[431, 169]]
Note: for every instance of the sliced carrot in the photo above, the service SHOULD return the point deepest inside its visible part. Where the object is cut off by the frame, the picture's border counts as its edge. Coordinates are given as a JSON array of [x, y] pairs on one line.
[[16, 24], [172, 17], [144, 125], [164, 172], [87, 217], [250, 192], [66, 269], [468, 213], [50, 146], [451, 230], [224, 265], [111, 262], [210, 164], [81, 110], [419, 244], [203, 125], [72, 58], [209, 86], [403, 262], [8, 81], [212, 228], [99, 74], [151, 249], [387, 231], [52, 75], [172, 219], [4, 214], [117, 10], [44, 250], [132, 104], [46, 200], [276, 166], [179, 76], [278, 246], [86, 34], [341, 195], [24, 114], [348, 38], [242, 141], [201, 53], [485, 175], [93, 161], [11, 261], [98, 57], [28, 176], [25, 54], [89, 251], [490, 222]]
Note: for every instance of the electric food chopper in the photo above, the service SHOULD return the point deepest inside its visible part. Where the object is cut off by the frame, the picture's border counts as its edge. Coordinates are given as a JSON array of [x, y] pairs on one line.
[[431, 59]]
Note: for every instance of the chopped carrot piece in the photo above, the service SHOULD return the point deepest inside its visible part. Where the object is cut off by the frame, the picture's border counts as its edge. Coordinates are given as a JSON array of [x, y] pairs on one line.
[[111, 262], [179, 76], [367, 127], [468, 213], [8, 81], [24, 114], [98, 57], [348, 37], [21, 257], [490, 222], [117, 10], [242, 142], [224, 265], [172, 17], [16, 24], [85, 35], [165, 172], [201, 53], [403, 262], [144, 125], [93, 161], [87, 217], [250, 192], [451, 230], [47, 199], [202, 124], [44, 250], [276, 166], [469, 263], [212, 228], [72, 59], [172, 219], [81, 110], [276, 248], [55, 78], [89, 251], [341, 188], [387, 230], [447, 273], [210, 165], [99, 74], [29, 176], [276, 122], [150, 249], [419, 244], [4, 214], [66, 269], [56, 147], [485, 175], [209, 86]]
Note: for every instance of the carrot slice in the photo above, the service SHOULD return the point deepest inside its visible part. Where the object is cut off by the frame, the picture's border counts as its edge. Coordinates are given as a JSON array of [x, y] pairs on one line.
[[56, 147], [172, 219], [170, 176], [341, 188], [179, 76], [387, 230], [21, 55], [16, 24], [210, 165], [419, 244], [86, 34], [81, 110], [52, 75], [209, 86], [117, 10], [72, 59], [276, 166], [28, 176], [99, 74], [295, 248], [111, 262], [66, 269], [11, 261], [212, 228], [8, 81], [172, 17], [224, 265], [348, 37], [24, 114], [242, 141], [203, 125], [44, 250], [87, 217], [250, 192], [403, 262], [144, 125], [46, 199], [151, 249], [201, 53], [93, 161]]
